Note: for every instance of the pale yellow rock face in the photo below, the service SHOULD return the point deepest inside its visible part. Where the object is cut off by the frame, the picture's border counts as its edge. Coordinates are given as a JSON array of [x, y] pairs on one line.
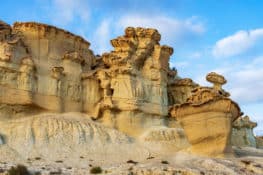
[[259, 142], [207, 118], [42, 65], [242, 132], [138, 102]]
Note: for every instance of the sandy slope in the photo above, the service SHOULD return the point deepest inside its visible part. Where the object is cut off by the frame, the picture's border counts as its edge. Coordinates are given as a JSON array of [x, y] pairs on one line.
[[72, 144]]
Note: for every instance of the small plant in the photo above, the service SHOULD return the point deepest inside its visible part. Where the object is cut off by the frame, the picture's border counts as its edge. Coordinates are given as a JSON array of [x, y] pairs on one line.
[[247, 162], [55, 172], [2, 170], [96, 170], [18, 170], [164, 162], [151, 157], [132, 161], [37, 158]]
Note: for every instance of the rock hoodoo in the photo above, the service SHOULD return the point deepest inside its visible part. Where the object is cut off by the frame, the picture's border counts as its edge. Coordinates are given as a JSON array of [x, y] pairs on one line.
[[242, 132], [201, 114], [132, 89]]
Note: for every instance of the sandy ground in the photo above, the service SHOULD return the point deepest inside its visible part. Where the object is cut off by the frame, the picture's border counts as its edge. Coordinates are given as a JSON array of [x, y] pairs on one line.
[[247, 161], [73, 144]]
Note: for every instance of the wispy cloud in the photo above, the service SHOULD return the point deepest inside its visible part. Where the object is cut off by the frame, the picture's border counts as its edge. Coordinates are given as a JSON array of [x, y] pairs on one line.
[[172, 29], [63, 12], [238, 43], [195, 55], [245, 80], [102, 36]]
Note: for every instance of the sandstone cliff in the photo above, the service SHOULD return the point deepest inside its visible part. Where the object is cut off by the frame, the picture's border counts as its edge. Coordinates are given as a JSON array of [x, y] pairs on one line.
[[60, 101]]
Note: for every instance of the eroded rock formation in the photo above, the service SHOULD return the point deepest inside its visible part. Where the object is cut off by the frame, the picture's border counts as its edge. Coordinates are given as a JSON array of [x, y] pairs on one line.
[[41, 65], [259, 140], [132, 89], [207, 117], [242, 132]]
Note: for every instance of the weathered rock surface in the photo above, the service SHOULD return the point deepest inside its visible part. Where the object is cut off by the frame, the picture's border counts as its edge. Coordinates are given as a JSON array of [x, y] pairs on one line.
[[56, 136], [42, 65], [259, 142], [125, 105], [242, 132], [179, 163], [207, 118]]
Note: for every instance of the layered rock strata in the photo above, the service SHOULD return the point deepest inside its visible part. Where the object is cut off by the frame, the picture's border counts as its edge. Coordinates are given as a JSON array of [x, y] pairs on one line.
[[207, 117], [242, 132], [41, 65], [132, 89]]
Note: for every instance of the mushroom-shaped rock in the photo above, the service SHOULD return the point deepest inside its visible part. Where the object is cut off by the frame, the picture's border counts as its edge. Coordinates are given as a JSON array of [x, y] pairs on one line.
[[207, 118], [242, 132], [216, 79], [244, 122]]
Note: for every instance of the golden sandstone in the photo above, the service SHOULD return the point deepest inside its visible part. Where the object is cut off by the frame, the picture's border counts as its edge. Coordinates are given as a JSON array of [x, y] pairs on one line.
[[45, 69]]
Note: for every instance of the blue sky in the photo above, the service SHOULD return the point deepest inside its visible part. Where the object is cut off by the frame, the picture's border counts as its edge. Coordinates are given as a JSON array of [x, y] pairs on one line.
[[207, 35]]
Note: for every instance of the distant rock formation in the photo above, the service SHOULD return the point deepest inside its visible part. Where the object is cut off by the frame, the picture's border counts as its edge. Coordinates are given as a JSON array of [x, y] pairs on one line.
[[132, 89], [259, 140], [242, 132]]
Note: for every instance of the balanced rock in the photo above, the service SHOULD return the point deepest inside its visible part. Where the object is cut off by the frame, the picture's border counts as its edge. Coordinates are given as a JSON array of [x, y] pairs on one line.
[[242, 132], [207, 118]]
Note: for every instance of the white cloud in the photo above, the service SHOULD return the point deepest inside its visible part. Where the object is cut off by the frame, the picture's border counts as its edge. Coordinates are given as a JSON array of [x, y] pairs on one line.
[[171, 29], [245, 80], [195, 55], [102, 36], [63, 12], [245, 84], [238, 43], [181, 64]]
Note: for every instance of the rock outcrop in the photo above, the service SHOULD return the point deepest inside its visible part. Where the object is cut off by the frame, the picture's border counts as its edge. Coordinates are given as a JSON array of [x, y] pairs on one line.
[[207, 117], [58, 136], [242, 132], [259, 140], [128, 98], [41, 65], [134, 82]]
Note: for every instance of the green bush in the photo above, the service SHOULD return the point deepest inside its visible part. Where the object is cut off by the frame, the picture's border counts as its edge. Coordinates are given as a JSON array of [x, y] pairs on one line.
[[96, 170], [164, 162], [18, 170]]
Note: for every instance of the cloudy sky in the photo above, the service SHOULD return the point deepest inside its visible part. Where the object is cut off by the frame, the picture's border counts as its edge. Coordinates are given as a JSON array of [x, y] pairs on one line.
[[207, 35]]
